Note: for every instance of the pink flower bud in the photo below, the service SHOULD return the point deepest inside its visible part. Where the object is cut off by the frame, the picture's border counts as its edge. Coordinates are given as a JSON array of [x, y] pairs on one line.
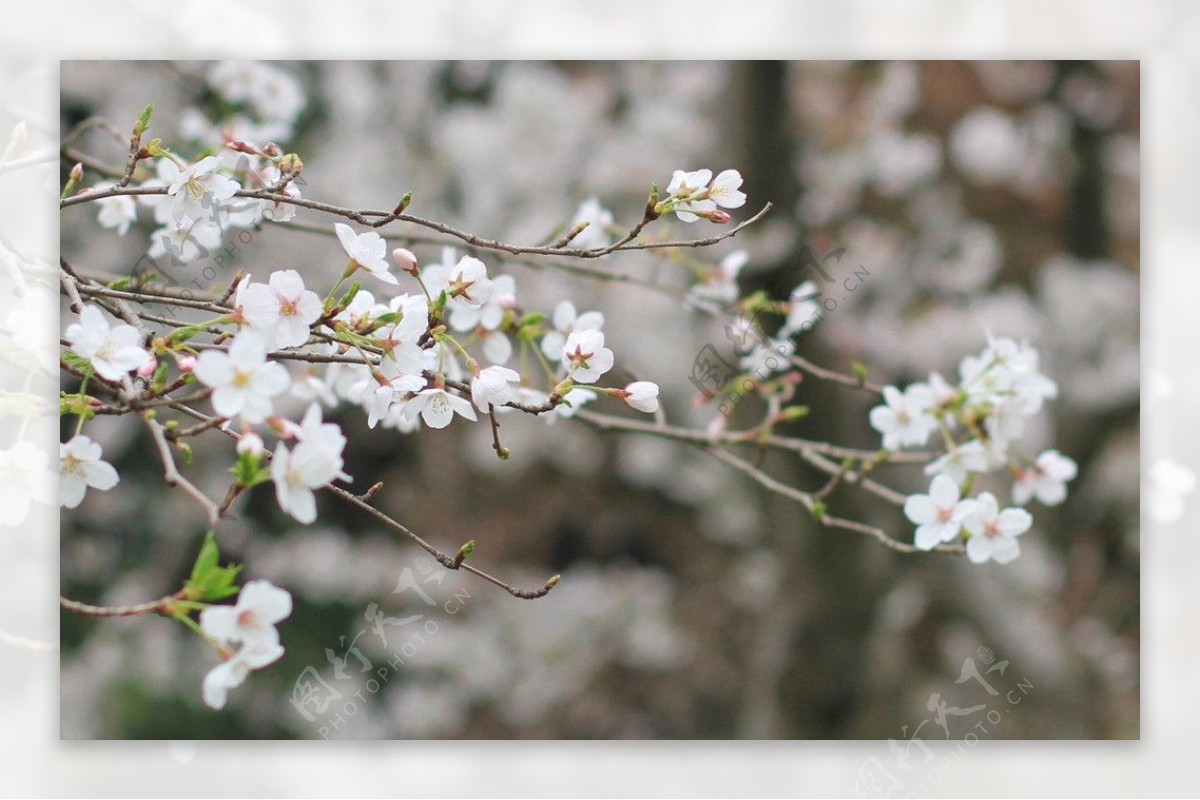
[[186, 363], [405, 260], [717, 215], [147, 369]]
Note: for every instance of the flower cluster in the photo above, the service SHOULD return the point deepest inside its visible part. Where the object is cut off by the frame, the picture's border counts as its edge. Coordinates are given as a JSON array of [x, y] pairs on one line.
[[998, 391], [247, 629], [406, 360], [692, 195]]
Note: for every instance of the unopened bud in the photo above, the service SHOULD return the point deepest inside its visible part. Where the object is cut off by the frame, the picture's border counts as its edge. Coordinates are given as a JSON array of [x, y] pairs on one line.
[[186, 363], [147, 368], [716, 215], [291, 164], [405, 260], [76, 173]]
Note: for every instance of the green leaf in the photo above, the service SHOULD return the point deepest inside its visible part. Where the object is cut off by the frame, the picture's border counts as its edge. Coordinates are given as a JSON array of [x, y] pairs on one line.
[[209, 581], [143, 121], [76, 362]]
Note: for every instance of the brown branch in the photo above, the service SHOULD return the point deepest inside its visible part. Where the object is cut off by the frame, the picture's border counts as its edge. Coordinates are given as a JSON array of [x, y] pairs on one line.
[[158, 606], [836, 377], [174, 478], [376, 219]]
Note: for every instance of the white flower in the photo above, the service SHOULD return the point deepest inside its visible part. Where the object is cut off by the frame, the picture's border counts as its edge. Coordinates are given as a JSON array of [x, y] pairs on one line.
[[994, 532], [232, 673], [399, 340], [281, 308], [905, 420], [585, 357], [692, 189], [1045, 479], [113, 351], [314, 463], [437, 407], [493, 385], [768, 357], [720, 285], [367, 250], [939, 514], [116, 213], [565, 322], [971, 456], [325, 435], [251, 621], [595, 234], [642, 395], [243, 381], [468, 285], [489, 314], [25, 477], [1167, 483], [724, 190], [79, 466], [184, 242], [388, 394], [802, 309], [199, 191]]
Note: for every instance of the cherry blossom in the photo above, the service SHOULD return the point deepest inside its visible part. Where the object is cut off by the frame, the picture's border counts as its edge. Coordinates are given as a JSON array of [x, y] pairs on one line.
[[199, 191], [243, 380], [251, 621], [366, 250], [112, 350], [281, 309], [960, 461], [725, 189], [938, 515], [232, 672], [596, 233], [80, 466], [719, 285], [994, 532], [184, 242], [566, 320], [313, 463], [115, 213], [437, 407], [585, 357], [1046, 479], [641, 395], [489, 314], [493, 385], [399, 339], [802, 309], [905, 420], [468, 286]]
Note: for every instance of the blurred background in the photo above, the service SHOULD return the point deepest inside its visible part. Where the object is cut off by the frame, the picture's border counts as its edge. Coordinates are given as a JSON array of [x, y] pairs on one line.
[[997, 196]]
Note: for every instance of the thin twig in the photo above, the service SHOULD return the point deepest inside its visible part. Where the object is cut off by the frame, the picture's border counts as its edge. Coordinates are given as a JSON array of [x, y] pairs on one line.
[[174, 478], [836, 377], [151, 607], [371, 219]]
